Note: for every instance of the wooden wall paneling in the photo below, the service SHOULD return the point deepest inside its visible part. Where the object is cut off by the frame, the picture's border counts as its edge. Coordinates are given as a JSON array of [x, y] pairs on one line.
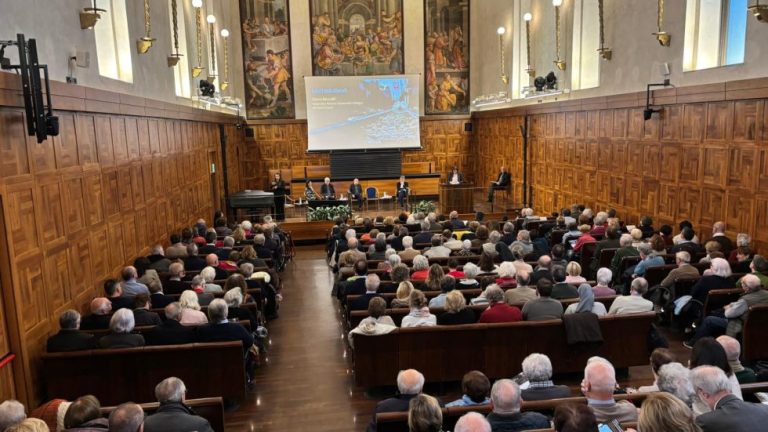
[[14, 160], [42, 155], [719, 121], [132, 138], [100, 251], [694, 122], [50, 217], [65, 144], [746, 120], [119, 139], [80, 268], [115, 246], [104, 147], [57, 279], [86, 140], [73, 205], [94, 198]]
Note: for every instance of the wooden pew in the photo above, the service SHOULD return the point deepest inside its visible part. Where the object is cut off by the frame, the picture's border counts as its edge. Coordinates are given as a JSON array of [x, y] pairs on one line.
[[446, 353], [211, 409], [142, 330], [398, 421], [118, 375], [753, 346]]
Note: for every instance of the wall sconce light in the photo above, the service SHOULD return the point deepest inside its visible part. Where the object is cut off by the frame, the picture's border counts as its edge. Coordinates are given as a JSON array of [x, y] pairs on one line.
[[663, 37], [529, 69], [174, 57], [605, 53], [504, 78], [212, 71], [759, 11], [198, 5], [90, 16], [560, 63], [225, 36], [145, 43]]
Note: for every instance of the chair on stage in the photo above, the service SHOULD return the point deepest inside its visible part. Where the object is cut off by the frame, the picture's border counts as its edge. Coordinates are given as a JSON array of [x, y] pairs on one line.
[[372, 194], [504, 195]]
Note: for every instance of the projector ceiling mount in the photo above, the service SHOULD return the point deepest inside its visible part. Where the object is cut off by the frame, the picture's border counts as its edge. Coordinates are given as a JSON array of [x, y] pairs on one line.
[[40, 119]]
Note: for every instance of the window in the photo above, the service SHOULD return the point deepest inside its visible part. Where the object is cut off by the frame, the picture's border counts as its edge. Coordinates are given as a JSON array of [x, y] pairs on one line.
[[113, 43], [181, 76], [585, 60], [715, 33]]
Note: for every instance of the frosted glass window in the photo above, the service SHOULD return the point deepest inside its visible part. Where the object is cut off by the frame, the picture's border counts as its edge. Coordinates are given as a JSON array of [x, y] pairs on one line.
[[181, 76], [113, 46], [715, 33], [585, 60]]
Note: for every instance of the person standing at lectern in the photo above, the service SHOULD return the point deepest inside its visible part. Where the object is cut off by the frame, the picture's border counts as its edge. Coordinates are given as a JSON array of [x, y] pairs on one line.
[[356, 193], [278, 188], [455, 177], [502, 181], [327, 190], [402, 191]]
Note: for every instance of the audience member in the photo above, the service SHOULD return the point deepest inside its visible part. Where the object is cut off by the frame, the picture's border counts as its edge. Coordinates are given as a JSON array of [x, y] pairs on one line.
[[190, 309], [523, 292], [732, 349], [524, 241], [372, 283], [561, 289], [84, 415], [675, 379], [647, 259], [127, 417], [402, 295], [659, 357], [586, 302], [141, 313], [377, 322], [664, 412], [12, 412], [634, 302], [173, 415], [506, 275], [424, 414], [434, 278], [220, 329], [759, 268], [114, 292], [177, 249], [708, 352], [472, 422], [157, 297], [409, 384], [542, 270], [598, 386], [99, 317], [475, 387], [453, 269], [234, 299], [198, 286], [419, 315], [573, 274], [572, 417], [625, 250], [29, 425], [408, 253], [470, 273], [193, 262], [456, 311], [120, 327], [131, 287], [727, 413], [171, 331], [209, 275], [437, 250], [506, 415], [498, 311], [543, 308], [602, 288], [537, 368], [421, 268], [70, 338], [688, 242]]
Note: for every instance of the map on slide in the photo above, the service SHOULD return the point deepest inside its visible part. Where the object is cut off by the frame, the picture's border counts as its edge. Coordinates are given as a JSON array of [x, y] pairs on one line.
[[354, 113]]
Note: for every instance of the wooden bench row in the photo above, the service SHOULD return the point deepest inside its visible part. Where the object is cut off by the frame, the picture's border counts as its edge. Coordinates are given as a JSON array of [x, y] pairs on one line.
[[446, 353], [211, 409]]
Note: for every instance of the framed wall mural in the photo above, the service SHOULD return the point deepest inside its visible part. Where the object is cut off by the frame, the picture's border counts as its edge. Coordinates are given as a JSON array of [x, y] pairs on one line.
[[446, 56], [267, 59], [357, 37]]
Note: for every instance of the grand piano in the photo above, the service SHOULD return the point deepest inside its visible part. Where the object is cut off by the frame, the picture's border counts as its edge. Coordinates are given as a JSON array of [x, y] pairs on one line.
[[257, 201]]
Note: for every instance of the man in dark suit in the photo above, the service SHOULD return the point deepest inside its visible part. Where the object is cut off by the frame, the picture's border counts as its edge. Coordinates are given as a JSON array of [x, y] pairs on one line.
[[174, 285], [371, 287], [562, 290], [142, 316], [425, 236], [193, 262], [501, 182], [220, 329], [70, 338], [687, 244], [212, 260], [402, 190], [543, 270], [99, 317], [158, 260], [210, 244], [354, 285], [611, 241], [327, 191], [729, 413], [718, 235], [171, 332], [356, 193], [397, 241], [409, 385], [157, 298], [114, 292], [173, 415]]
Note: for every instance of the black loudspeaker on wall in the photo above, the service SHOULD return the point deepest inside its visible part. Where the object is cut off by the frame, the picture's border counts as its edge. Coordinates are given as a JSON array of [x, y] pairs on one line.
[[249, 132], [468, 127]]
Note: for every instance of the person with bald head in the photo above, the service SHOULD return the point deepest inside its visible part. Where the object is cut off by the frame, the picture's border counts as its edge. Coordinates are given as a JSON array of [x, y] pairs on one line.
[[728, 412], [212, 260], [506, 415], [127, 417], [132, 287], [472, 422], [99, 317], [543, 270], [598, 386], [735, 313], [718, 235], [732, 349], [410, 383]]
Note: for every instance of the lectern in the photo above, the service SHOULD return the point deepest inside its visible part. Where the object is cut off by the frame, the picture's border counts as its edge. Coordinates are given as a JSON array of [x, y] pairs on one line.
[[456, 197]]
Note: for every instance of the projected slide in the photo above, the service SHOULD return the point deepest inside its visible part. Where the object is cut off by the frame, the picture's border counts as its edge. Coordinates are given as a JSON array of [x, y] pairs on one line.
[[355, 113]]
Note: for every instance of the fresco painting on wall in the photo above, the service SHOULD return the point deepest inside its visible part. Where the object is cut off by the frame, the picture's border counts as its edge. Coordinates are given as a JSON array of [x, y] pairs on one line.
[[357, 37], [267, 59], [446, 56]]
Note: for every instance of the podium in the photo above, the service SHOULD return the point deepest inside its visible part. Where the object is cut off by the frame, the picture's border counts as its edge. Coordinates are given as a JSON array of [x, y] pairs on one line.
[[456, 197]]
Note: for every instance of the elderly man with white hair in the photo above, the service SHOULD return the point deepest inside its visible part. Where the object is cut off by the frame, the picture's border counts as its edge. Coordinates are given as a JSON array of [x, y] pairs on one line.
[[598, 386], [684, 270], [12, 412], [472, 422], [506, 415], [437, 250], [537, 368], [173, 415], [625, 250], [408, 253], [99, 317], [121, 325], [735, 313], [220, 329], [729, 413], [674, 378], [70, 338], [732, 349], [209, 274], [127, 417], [634, 302], [524, 241], [410, 383]]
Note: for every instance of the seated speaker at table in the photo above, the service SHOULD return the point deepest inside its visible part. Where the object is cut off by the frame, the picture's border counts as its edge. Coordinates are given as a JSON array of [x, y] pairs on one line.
[[327, 191], [356, 193], [309, 191], [402, 191]]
